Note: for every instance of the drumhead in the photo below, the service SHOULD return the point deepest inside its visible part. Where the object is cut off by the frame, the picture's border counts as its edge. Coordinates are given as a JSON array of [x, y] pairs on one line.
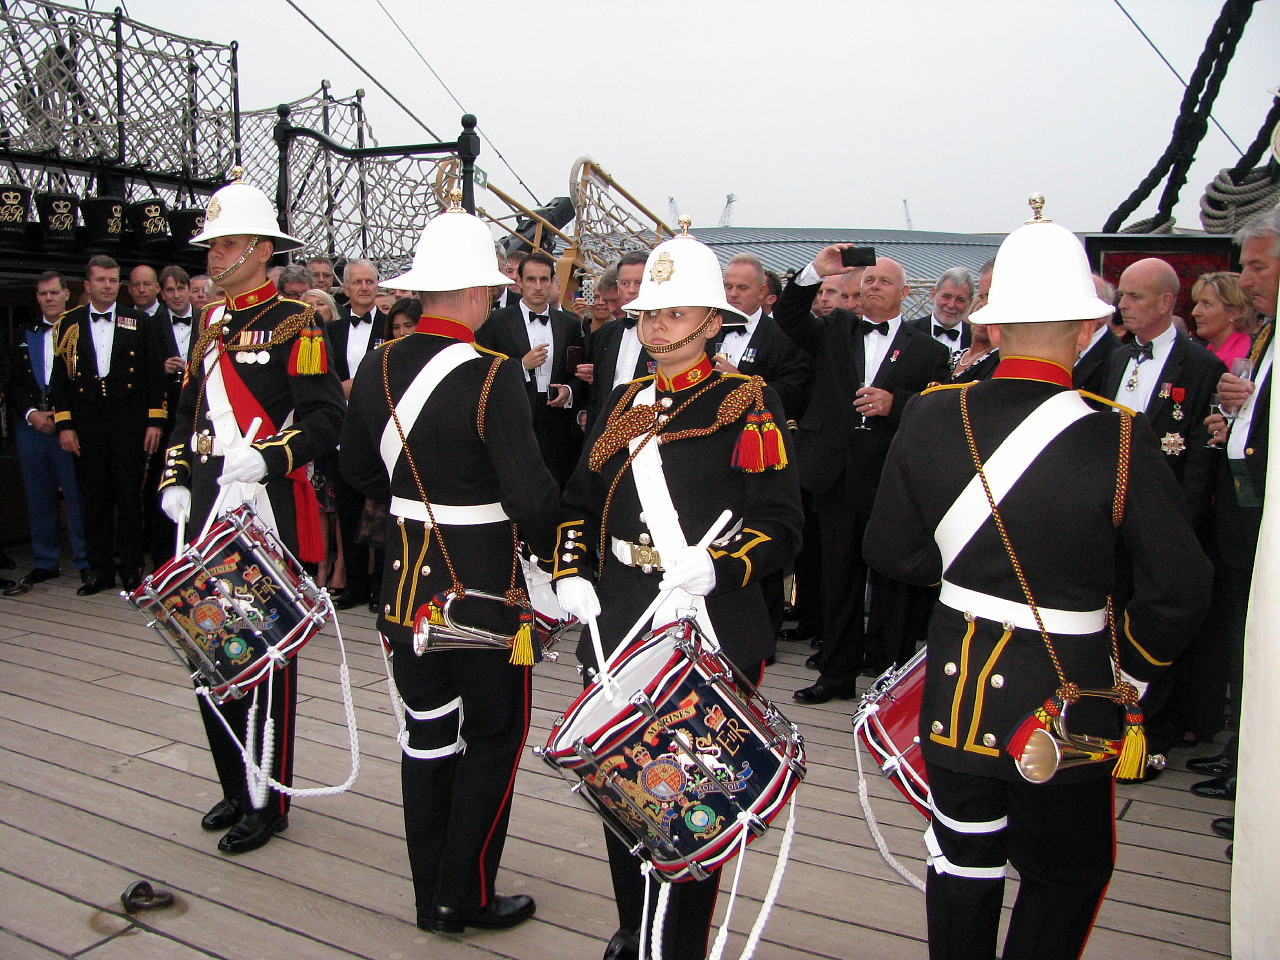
[[594, 711]]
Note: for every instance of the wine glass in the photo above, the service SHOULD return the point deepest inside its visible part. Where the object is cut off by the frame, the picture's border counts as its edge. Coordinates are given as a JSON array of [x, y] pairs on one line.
[[863, 424], [1242, 367]]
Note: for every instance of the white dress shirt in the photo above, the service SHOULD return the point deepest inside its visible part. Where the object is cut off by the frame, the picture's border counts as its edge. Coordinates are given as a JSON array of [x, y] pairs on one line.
[[875, 345], [182, 334], [734, 344], [151, 310], [628, 356], [1149, 371], [539, 332], [950, 344], [358, 340], [104, 337], [47, 333], [1238, 439]]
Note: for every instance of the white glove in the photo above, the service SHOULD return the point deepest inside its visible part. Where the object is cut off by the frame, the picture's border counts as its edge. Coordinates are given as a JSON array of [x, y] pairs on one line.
[[176, 503], [243, 466], [693, 571], [578, 598]]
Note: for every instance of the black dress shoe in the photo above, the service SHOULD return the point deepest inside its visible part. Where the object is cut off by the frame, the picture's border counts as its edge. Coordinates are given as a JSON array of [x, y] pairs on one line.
[[822, 691], [1219, 788], [796, 634], [94, 584], [40, 575], [253, 831], [223, 814], [874, 668], [373, 606], [625, 945], [1225, 827], [6, 585], [502, 913], [130, 582], [350, 598], [1230, 847], [812, 661], [1219, 766]]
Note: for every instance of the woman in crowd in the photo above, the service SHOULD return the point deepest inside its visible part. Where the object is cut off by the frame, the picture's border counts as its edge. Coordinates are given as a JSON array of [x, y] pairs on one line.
[[1224, 315]]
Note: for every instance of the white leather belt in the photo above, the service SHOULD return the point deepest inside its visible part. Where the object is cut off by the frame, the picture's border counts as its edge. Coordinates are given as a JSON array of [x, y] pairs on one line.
[[1070, 622], [467, 515], [639, 555]]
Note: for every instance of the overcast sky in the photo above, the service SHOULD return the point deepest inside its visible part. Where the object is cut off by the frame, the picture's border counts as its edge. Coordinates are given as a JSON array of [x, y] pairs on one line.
[[815, 114]]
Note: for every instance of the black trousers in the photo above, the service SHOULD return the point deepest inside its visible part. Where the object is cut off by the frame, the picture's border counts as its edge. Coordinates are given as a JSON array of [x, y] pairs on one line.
[[1059, 837], [226, 755], [350, 503], [468, 723], [111, 469], [808, 571], [161, 532]]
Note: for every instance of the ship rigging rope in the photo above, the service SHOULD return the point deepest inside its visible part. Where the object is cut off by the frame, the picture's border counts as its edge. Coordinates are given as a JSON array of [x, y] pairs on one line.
[[1240, 193], [1190, 127]]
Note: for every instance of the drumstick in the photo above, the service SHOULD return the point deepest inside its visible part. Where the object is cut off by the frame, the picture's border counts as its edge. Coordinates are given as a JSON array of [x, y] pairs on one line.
[[713, 531], [181, 536], [249, 436], [602, 675]]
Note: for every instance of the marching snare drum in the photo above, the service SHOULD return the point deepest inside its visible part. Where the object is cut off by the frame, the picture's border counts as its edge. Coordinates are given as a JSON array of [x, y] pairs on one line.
[[693, 759], [888, 720], [232, 603]]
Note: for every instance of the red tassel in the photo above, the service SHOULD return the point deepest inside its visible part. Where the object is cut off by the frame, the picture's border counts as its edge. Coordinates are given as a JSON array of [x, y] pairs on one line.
[[774, 450], [748, 453], [307, 509], [1036, 720]]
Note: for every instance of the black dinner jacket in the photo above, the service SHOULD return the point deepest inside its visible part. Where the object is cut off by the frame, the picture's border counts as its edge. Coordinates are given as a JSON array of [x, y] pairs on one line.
[[1091, 370], [925, 325], [338, 333], [777, 359], [605, 344], [163, 323], [504, 332], [23, 389], [1255, 452], [1196, 370], [828, 446]]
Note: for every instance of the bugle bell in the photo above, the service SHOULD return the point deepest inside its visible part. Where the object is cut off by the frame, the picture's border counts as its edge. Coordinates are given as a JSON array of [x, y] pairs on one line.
[[1049, 750]]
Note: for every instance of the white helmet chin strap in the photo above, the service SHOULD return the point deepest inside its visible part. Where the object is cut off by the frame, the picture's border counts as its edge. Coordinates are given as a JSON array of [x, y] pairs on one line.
[[219, 277]]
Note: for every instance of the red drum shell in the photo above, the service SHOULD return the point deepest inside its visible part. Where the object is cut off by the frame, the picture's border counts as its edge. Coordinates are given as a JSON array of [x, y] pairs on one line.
[[888, 722]]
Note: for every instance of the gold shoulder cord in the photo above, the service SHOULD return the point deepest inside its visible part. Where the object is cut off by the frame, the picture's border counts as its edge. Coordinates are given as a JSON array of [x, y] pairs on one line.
[[514, 597], [1122, 692]]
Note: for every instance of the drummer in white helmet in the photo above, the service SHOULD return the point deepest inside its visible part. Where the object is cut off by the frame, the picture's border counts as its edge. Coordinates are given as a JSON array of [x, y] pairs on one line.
[[460, 466], [259, 356], [1067, 564], [724, 446]]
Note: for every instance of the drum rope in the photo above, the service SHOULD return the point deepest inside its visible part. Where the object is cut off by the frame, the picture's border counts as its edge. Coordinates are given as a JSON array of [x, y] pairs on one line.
[[775, 883], [258, 774], [874, 827], [722, 936], [659, 920]]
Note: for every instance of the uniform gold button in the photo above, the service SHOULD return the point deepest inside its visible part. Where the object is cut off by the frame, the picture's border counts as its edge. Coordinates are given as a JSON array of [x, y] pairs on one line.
[[989, 740], [386, 608], [937, 726], [642, 519], [1008, 626], [426, 571], [1248, 451], [395, 565], [997, 681], [949, 669], [968, 615], [571, 534], [400, 521], [566, 558]]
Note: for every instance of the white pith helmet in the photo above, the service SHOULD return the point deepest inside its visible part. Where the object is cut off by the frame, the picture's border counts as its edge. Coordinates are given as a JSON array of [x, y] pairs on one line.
[[684, 272], [239, 209], [1041, 275], [455, 252]]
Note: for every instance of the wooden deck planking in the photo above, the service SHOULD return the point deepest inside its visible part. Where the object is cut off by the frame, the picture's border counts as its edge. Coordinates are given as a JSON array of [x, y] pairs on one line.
[[105, 776]]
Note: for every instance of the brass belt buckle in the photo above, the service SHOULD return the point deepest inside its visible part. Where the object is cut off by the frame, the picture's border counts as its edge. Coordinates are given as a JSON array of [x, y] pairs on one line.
[[645, 557], [204, 445]]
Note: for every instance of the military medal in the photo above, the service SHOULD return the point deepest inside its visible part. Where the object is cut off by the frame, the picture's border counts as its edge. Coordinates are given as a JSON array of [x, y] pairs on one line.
[[1178, 394], [1172, 444], [893, 358], [263, 356], [126, 323]]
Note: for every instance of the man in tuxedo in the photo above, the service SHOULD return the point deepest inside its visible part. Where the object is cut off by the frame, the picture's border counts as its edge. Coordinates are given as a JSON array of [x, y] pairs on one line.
[[108, 394], [322, 275], [177, 327], [865, 372], [548, 344], [1162, 373], [951, 297], [295, 280], [144, 288], [851, 292], [200, 286], [830, 295], [45, 465], [509, 295], [1090, 371], [617, 357], [360, 328]]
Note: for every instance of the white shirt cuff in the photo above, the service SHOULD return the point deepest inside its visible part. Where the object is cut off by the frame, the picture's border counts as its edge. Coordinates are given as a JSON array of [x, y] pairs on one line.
[[809, 276]]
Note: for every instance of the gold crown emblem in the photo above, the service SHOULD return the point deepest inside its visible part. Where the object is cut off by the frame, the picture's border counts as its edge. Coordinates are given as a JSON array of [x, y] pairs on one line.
[[663, 268], [199, 223], [212, 210], [117, 210], [62, 206], [152, 210], [11, 197]]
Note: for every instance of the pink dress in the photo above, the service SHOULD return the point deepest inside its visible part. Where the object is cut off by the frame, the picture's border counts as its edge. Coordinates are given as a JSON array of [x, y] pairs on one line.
[[1235, 346]]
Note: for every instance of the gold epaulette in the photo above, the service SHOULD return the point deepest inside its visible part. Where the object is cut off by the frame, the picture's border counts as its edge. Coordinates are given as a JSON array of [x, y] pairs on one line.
[[492, 353], [935, 387], [1110, 403]]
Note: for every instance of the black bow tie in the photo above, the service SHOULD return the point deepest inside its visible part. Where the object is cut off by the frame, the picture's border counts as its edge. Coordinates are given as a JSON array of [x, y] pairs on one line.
[[186, 321], [99, 316], [543, 318], [1141, 350], [951, 333], [866, 326], [368, 319]]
